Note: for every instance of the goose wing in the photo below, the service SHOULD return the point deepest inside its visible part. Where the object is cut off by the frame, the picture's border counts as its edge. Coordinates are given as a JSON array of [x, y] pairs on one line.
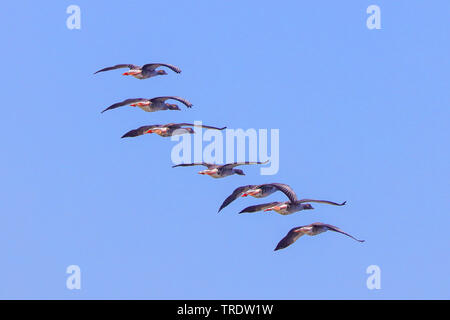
[[208, 165], [118, 66], [290, 238], [336, 229], [153, 66], [139, 131], [236, 194], [322, 201], [235, 164], [199, 126], [183, 101], [124, 103], [287, 190], [259, 207]]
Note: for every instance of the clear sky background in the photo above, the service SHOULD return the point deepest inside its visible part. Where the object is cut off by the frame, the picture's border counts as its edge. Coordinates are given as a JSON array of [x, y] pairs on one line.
[[363, 117]]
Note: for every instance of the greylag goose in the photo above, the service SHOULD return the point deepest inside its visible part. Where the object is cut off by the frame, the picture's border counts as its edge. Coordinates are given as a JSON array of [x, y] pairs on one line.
[[146, 71], [151, 105], [288, 207], [167, 130], [220, 170], [312, 229]]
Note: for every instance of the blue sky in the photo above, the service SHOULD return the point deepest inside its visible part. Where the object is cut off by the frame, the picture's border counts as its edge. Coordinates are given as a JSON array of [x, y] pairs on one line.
[[363, 117]]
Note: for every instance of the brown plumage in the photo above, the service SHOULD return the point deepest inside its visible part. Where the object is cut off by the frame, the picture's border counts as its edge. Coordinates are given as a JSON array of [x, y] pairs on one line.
[[167, 130], [311, 230], [288, 207], [146, 71], [220, 170], [151, 105]]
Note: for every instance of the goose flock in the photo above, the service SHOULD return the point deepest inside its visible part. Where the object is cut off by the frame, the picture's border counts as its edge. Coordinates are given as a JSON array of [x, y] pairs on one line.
[[292, 205]]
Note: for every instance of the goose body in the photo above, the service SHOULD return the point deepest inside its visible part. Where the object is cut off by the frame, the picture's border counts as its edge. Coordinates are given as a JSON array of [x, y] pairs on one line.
[[167, 130], [312, 229], [284, 208], [148, 70], [219, 170], [288, 207], [151, 105]]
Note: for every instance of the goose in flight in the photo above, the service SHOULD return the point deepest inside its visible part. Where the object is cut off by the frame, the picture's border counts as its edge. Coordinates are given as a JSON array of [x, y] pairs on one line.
[[312, 229], [151, 105], [288, 207], [257, 191], [146, 71], [167, 130], [220, 170]]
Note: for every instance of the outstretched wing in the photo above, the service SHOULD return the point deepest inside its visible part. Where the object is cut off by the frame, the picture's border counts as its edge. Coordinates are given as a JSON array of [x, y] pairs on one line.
[[259, 207], [139, 131], [287, 190], [118, 66], [236, 194], [198, 126], [235, 164], [124, 103], [153, 66], [209, 165], [290, 238], [322, 201], [183, 101], [336, 229]]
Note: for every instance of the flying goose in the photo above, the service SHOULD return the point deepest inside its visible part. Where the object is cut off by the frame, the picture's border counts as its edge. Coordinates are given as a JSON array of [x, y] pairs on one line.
[[166, 130], [288, 207], [220, 170], [144, 72], [151, 105], [257, 191], [312, 229]]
